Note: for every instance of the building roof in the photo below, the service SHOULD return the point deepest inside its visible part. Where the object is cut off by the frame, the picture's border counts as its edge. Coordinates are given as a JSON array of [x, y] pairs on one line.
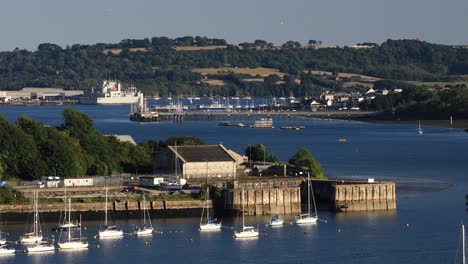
[[202, 153], [125, 138]]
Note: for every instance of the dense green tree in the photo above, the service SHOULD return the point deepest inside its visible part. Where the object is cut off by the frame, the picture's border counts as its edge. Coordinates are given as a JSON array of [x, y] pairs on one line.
[[303, 159], [182, 141], [260, 152]]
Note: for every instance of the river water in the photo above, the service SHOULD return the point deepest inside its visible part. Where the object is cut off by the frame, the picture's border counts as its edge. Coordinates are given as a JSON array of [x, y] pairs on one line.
[[430, 171]]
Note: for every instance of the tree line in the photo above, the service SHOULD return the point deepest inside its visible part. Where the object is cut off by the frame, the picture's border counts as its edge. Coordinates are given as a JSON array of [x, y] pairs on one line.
[[160, 69]]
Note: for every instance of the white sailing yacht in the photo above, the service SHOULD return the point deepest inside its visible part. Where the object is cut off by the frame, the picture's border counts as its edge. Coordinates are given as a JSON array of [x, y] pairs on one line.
[[147, 227], [420, 132], [308, 218], [211, 224], [247, 231], [67, 223], [275, 220], [35, 236], [109, 231], [70, 242]]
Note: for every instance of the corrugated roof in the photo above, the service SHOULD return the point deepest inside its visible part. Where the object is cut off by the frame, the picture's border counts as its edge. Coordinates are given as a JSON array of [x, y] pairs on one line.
[[202, 153]]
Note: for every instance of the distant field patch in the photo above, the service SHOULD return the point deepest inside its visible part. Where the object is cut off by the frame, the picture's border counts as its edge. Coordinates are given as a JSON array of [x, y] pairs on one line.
[[118, 51], [195, 48], [215, 82], [264, 72], [253, 80], [345, 75]]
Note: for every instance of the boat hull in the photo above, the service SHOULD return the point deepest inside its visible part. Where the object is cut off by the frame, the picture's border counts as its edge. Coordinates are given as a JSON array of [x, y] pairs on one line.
[[276, 223], [73, 245], [143, 232], [6, 251], [246, 234], [210, 226], [306, 220], [40, 248], [110, 234]]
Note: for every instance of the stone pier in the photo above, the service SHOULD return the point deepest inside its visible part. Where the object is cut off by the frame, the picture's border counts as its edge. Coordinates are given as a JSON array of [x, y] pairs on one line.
[[344, 196], [263, 198]]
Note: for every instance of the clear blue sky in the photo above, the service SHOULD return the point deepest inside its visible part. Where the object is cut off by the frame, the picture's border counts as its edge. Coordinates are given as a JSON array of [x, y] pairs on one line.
[[27, 23]]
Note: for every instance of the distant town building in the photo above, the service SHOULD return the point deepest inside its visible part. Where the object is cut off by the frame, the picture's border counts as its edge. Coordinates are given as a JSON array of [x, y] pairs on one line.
[[41, 93]]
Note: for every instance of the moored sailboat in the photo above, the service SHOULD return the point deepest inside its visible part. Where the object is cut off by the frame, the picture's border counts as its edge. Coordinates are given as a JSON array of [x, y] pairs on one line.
[[70, 242], [246, 231], [308, 218], [147, 227], [35, 236], [276, 220], [109, 231], [210, 224]]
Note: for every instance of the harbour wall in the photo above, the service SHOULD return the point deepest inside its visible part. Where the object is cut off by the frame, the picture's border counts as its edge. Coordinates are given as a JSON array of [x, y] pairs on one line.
[[264, 197], [344, 196], [95, 211]]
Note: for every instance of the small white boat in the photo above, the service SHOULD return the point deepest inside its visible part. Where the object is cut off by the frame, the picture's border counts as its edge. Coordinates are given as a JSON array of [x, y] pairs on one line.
[[420, 132], [210, 224], [147, 227], [41, 247], [109, 231], [246, 231], [35, 236], [276, 220], [308, 218], [73, 245], [5, 251]]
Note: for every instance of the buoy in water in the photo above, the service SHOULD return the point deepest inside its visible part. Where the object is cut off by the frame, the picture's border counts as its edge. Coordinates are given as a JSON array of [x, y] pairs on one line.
[[97, 246]]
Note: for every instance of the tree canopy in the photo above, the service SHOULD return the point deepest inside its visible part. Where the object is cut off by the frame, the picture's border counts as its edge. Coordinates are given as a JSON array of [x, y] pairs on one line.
[[260, 152], [303, 159]]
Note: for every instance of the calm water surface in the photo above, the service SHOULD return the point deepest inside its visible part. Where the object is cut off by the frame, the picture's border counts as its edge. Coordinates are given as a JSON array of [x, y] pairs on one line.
[[430, 171]]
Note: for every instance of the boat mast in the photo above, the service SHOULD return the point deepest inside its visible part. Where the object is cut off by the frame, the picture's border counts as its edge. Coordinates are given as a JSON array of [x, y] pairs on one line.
[[144, 211], [80, 227], [308, 193], [35, 229], [243, 225], [105, 221], [206, 202], [464, 244], [313, 200], [69, 219]]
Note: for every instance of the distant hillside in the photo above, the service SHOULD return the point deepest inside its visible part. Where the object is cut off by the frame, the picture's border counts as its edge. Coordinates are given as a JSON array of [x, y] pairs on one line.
[[163, 66]]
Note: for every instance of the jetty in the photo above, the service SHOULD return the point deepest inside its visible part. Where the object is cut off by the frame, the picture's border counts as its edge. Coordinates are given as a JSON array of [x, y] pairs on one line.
[[244, 115]]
